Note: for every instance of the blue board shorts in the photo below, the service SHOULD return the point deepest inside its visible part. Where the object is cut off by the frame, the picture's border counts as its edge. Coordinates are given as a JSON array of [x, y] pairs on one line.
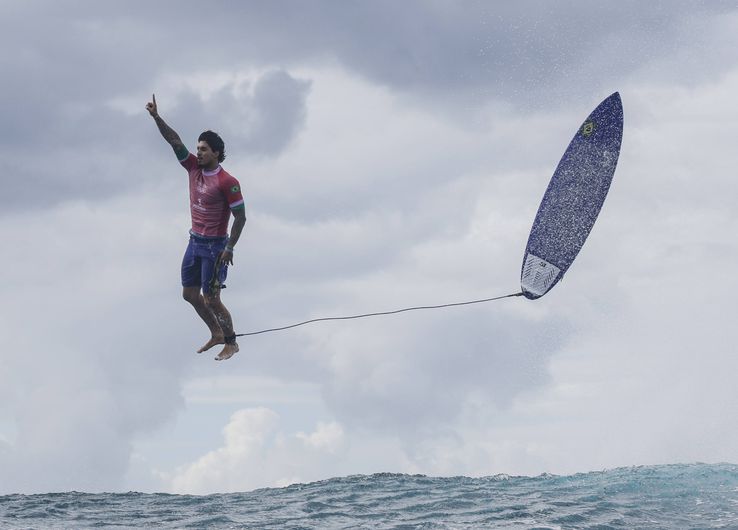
[[198, 263]]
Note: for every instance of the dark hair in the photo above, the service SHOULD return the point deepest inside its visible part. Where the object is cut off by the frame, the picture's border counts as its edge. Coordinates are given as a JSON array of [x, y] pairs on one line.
[[215, 142]]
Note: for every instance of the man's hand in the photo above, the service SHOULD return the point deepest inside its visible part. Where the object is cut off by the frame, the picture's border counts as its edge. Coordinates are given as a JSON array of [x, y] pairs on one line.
[[151, 107], [226, 257], [166, 131]]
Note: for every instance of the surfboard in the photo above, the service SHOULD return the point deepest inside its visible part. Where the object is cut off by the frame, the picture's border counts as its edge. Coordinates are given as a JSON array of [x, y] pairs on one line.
[[573, 199]]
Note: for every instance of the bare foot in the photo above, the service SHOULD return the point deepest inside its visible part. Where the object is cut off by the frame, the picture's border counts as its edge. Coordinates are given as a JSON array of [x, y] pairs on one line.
[[227, 352], [215, 339]]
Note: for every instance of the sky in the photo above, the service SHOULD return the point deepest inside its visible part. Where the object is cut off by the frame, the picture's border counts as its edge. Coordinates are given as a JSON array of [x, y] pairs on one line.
[[392, 154]]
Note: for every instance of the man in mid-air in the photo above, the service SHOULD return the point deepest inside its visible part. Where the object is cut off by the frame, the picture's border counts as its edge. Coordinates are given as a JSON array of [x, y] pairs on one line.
[[214, 195]]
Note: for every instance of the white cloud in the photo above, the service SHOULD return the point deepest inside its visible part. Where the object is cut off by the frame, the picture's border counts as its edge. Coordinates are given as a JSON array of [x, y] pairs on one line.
[[234, 466], [242, 389], [327, 437], [256, 452], [79, 386]]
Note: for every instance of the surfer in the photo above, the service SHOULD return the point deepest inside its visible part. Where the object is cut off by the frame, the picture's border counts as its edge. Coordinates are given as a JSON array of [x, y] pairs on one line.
[[214, 196]]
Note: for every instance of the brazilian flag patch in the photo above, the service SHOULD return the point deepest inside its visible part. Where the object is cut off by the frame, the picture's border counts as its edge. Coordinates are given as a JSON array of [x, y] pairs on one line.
[[235, 189]]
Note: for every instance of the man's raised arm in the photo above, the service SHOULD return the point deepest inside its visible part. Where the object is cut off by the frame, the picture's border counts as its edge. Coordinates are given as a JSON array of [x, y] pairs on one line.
[[166, 131]]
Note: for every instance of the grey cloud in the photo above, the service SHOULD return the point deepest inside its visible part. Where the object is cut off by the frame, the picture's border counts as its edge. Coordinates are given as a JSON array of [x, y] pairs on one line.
[[518, 52], [91, 151], [69, 60], [279, 109], [61, 140], [86, 399], [505, 50], [435, 362], [514, 52], [258, 120]]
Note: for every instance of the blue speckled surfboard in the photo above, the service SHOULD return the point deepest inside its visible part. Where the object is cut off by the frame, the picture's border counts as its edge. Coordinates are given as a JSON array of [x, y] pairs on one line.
[[573, 199]]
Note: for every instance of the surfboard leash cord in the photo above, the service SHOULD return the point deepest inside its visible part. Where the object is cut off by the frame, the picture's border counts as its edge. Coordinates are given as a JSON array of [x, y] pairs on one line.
[[380, 313]]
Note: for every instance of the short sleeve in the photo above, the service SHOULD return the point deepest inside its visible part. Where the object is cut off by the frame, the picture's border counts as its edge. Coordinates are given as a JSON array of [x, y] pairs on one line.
[[189, 162], [232, 191]]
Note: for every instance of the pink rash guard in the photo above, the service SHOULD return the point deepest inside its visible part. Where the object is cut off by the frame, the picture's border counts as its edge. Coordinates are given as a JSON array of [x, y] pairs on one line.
[[213, 194]]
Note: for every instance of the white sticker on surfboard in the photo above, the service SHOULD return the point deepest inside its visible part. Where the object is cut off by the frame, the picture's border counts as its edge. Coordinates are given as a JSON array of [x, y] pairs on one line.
[[538, 275]]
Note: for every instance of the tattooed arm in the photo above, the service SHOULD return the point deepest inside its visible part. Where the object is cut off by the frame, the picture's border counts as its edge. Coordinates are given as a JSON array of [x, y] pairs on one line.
[[166, 131]]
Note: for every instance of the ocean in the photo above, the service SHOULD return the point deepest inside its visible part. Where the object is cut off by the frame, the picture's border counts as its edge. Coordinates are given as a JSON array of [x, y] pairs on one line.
[[671, 496]]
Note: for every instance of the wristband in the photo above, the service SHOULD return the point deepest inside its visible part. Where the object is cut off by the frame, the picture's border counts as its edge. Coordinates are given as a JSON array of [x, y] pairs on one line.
[[229, 249]]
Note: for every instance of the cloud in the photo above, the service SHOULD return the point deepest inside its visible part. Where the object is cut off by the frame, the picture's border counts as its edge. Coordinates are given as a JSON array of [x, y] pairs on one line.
[[242, 455], [255, 451], [95, 364], [279, 112], [64, 140], [95, 151], [327, 437], [515, 51], [456, 52], [259, 117]]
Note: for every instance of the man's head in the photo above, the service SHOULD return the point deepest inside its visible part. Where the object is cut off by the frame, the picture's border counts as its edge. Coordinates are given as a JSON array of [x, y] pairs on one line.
[[210, 150]]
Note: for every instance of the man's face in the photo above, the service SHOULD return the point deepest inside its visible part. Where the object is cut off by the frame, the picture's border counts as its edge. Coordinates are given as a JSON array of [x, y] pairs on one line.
[[206, 157]]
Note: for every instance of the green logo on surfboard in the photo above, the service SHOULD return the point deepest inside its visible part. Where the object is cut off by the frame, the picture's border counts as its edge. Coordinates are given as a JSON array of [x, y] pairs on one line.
[[588, 128]]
